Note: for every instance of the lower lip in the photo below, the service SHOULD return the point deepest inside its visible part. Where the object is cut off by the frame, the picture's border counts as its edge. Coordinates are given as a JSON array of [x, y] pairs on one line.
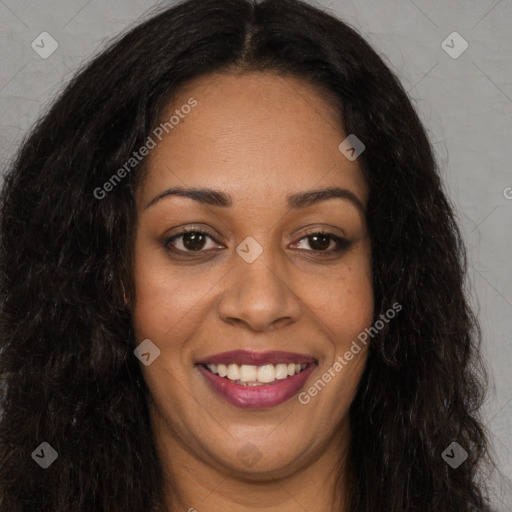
[[257, 397]]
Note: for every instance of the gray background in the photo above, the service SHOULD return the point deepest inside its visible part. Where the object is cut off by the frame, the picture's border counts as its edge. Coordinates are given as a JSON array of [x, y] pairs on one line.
[[465, 103]]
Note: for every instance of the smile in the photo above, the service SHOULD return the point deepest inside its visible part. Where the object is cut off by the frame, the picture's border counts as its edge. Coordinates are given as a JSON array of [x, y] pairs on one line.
[[256, 380]]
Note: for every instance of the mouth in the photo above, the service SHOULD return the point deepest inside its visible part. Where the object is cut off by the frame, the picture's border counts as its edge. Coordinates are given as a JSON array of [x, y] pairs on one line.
[[256, 380]]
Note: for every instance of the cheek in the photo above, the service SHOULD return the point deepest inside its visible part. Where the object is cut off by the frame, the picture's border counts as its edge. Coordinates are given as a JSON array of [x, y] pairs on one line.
[[163, 307], [168, 299], [344, 309], [344, 304]]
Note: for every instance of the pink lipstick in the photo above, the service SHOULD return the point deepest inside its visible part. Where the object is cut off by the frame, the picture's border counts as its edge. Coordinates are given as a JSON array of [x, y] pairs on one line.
[[248, 379]]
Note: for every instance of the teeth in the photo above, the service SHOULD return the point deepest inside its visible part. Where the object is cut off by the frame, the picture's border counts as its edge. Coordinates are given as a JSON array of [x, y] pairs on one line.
[[281, 371], [250, 375], [233, 372], [266, 373], [222, 369]]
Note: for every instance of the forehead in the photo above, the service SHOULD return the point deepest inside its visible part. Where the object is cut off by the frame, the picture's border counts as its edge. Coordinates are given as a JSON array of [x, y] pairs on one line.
[[253, 134]]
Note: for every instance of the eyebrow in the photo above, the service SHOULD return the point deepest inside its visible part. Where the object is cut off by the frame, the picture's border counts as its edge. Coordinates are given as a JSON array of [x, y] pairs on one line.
[[294, 201]]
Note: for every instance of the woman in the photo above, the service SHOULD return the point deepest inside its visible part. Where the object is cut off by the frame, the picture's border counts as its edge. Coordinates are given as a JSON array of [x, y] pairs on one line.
[[231, 280]]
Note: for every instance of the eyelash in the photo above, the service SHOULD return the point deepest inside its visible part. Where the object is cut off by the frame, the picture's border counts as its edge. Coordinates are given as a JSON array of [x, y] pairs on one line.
[[343, 244]]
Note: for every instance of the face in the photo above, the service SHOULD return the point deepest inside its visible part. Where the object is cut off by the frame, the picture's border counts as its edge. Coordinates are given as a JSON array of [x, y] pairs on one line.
[[269, 286]]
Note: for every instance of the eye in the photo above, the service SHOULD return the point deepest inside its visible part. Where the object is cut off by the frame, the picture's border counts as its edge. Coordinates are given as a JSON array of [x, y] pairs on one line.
[[192, 240], [320, 241]]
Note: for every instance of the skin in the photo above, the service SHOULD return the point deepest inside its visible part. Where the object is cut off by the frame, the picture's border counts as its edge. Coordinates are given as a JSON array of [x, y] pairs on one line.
[[258, 137]]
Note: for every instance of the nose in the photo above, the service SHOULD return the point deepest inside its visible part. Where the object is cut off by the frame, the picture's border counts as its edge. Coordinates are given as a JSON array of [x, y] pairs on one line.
[[259, 295]]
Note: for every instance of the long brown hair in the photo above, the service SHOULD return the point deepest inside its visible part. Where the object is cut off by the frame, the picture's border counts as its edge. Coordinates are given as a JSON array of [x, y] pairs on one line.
[[66, 340]]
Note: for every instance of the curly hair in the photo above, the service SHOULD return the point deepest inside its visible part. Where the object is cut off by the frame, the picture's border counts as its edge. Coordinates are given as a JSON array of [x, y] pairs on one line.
[[66, 338]]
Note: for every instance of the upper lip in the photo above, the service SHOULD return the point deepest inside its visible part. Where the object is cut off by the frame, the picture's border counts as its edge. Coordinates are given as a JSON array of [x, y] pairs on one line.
[[250, 357]]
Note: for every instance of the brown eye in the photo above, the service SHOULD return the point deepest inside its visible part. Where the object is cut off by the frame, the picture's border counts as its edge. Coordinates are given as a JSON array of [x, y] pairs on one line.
[[191, 241], [321, 241], [196, 241]]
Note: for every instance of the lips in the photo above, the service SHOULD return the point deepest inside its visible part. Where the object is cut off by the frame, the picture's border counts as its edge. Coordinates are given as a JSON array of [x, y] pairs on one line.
[[240, 381]]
